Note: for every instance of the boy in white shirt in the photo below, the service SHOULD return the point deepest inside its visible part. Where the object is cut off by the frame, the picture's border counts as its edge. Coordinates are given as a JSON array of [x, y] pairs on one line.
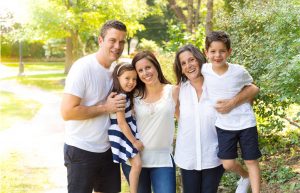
[[223, 81]]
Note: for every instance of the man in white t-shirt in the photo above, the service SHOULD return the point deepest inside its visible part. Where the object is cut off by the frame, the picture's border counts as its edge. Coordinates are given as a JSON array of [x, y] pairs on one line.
[[223, 81], [85, 108]]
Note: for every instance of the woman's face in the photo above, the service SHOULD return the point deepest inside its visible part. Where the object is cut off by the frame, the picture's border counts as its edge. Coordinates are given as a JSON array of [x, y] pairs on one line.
[[189, 65], [146, 72]]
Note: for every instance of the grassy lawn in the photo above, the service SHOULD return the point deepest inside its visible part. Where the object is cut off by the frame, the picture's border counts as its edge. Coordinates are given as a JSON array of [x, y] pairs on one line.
[[15, 177], [37, 66], [46, 81], [124, 185], [14, 109]]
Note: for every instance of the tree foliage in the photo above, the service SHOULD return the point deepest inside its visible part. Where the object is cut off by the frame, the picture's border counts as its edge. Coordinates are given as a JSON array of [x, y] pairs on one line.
[[178, 36], [78, 21], [266, 39]]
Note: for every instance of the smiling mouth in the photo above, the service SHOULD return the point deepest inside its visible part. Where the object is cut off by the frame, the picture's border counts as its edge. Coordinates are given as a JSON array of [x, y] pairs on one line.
[[147, 78], [192, 70], [115, 53]]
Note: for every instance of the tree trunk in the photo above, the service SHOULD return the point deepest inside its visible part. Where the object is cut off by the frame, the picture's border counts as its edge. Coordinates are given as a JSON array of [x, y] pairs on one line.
[[72, 50], [69, 54], [197, 14], [75, 41], [128, 45], [177, 10], [190, 16], [209, 16]]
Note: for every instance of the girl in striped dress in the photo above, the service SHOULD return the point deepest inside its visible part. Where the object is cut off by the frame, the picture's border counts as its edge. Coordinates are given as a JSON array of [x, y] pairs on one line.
[[123, 135]]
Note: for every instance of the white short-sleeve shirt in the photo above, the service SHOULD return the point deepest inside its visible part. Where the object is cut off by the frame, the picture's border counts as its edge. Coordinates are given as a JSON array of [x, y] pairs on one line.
[[90, 81], [226, 86]]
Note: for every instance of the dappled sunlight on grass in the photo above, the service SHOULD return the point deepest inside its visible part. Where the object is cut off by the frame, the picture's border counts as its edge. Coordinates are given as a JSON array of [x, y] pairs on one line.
[[124, 184], [48, 82], [15, 109], [15, 177], [48, 76], [37, 66]]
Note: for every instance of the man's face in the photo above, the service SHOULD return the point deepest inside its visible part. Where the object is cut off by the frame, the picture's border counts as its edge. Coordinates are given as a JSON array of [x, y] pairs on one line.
[[112, 44]]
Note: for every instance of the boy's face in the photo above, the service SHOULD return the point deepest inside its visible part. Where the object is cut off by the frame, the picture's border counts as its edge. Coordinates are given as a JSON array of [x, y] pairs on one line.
[[218, 53]]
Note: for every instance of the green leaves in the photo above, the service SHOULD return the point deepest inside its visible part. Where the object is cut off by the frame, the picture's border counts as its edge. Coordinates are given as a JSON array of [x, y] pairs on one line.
[[265, 39]]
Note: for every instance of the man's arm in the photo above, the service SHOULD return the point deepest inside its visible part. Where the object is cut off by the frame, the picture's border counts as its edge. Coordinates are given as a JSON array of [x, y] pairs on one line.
[[72, 110], [247, 94]]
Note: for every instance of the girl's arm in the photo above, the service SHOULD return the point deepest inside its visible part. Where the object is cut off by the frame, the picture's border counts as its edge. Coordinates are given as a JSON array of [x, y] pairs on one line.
[[247, 94], [127, 131]]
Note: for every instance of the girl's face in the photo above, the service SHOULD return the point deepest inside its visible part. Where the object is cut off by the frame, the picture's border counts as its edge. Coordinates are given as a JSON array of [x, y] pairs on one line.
[[146, 72], [127, 80], [218, 53], [189, 65]]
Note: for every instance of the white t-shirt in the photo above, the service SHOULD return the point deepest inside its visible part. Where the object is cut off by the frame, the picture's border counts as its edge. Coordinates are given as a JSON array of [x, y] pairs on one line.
[[155, 123], [226, 86], [196, 142], [90, 81]]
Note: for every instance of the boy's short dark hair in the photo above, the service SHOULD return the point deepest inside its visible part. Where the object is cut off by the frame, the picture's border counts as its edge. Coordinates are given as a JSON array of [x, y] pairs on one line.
[[112, 24], [219, 36]]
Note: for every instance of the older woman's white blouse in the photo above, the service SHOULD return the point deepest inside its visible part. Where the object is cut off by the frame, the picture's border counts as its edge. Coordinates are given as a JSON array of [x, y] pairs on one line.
[[197, 142]]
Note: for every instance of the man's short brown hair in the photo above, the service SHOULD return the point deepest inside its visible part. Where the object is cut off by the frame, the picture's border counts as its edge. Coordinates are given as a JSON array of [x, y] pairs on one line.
[[112, 24]]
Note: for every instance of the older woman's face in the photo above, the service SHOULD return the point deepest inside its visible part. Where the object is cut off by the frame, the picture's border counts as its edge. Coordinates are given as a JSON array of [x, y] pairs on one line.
[[146, 71], [189, 65]]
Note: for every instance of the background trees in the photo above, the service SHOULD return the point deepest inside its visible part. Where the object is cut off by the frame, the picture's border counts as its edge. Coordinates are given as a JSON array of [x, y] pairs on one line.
[[79, 21], [265, 39]]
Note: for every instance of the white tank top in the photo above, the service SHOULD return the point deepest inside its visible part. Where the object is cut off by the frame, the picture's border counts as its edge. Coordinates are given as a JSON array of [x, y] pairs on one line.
[[155, 123]]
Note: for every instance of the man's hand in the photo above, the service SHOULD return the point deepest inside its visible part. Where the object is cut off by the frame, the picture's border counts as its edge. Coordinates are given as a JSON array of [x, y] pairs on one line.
[[115, 103], [225, 106], [138, 145]]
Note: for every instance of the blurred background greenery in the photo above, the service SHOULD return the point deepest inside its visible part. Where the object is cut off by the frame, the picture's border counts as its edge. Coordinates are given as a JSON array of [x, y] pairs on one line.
[[40, 39]]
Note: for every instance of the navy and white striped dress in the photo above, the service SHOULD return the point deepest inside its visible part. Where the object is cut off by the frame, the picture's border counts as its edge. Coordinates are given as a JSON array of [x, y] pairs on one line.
[[122, 148]]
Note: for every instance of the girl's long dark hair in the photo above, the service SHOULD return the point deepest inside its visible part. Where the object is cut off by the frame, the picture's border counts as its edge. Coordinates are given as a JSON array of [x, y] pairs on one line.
[[140, 87], [116, 87]]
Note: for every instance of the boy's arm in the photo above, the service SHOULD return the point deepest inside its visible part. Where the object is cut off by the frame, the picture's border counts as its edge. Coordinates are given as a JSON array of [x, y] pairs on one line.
[[247, 94], [71, 109], [127, 131]]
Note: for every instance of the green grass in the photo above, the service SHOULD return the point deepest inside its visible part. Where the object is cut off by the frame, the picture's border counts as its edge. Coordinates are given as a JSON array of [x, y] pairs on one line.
[[14, 109], [124, 186], [15, 177], [37, 66], [48, 82]]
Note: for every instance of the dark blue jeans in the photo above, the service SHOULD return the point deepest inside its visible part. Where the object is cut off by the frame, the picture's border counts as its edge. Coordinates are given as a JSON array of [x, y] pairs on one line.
[[158, 180], [201, 181]]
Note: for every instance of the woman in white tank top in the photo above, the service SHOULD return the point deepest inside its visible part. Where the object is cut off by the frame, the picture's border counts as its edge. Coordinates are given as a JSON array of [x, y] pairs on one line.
[[154, 107]]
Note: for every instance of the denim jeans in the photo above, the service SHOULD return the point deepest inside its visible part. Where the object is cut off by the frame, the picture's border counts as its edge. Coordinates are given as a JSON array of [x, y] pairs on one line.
[[158, 180], [201, 181]]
